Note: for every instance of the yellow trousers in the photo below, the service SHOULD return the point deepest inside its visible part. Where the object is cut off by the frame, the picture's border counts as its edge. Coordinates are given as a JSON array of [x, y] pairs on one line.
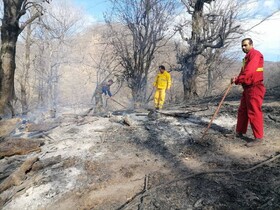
[[159, 98]]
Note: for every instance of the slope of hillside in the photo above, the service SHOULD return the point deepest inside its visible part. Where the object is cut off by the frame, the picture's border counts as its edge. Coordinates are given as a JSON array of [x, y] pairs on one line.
[[139, 160]]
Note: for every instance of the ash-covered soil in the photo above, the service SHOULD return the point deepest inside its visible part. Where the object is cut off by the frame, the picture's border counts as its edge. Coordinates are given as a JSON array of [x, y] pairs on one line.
[[142, 160]]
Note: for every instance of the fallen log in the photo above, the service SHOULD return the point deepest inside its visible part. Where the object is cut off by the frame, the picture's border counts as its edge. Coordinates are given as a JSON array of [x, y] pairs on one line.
[[32, 127], [8, 126], [19, 175], [46, 163], [180, 113], [9, 165], [128, 121], [141, 114], [19, 146]]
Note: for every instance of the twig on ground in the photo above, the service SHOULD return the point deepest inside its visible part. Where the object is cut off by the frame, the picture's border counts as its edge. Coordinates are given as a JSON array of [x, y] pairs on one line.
[[87, 112], [272, 118], [146, 181], [86, 122], [260, 164], [142, 193]]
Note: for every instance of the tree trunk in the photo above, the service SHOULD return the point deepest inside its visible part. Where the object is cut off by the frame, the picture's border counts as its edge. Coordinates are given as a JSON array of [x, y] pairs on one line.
[[23, 99], [9, 35], [189, 79], [191, 69], [10, 31], [139, 88], [210, 82], [25, 75], [137, 96], [190, 89]]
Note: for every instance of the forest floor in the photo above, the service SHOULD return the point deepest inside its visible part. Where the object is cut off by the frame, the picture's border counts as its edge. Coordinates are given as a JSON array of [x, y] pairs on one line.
[[141, 160]]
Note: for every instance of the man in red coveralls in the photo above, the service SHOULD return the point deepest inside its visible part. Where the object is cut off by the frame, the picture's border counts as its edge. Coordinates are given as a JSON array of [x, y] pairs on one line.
[[251, 79]]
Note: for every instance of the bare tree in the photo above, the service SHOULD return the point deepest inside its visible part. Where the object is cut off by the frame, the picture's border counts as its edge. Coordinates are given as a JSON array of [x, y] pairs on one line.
[[138, 30], [214, 24], [54, 35], [10, 30], [211, 29], [23, 77]]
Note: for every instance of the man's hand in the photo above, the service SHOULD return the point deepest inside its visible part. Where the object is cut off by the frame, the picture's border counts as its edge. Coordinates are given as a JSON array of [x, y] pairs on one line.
[[232, 80]]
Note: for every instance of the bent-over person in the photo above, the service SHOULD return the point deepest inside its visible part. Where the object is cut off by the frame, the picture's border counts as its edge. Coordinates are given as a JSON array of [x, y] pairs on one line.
[[102, 90]]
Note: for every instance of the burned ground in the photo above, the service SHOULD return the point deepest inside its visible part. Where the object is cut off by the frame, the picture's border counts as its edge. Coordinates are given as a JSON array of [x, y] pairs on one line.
[[141, 161]]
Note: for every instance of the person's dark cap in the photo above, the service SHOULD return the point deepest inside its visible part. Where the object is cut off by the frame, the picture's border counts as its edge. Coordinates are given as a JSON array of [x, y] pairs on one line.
[[161, 67]]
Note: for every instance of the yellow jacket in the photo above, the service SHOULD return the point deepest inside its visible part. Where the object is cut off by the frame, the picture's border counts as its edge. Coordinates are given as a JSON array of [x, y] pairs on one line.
[[163, 80]]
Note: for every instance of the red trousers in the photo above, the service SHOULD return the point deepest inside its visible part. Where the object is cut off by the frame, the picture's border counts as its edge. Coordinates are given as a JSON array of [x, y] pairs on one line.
[[250, 110]]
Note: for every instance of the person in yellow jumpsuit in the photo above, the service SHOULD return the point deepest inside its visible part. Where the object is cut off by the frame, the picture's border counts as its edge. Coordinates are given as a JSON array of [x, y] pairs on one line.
[[162, 83]]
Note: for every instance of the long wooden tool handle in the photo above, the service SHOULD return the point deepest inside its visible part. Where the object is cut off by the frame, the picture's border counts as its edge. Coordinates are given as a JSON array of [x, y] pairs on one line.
[[150, 95], [117, 102], [217, 110]]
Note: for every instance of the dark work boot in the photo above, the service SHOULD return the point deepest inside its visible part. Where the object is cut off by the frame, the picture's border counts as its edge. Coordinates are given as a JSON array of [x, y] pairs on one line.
[[256, 142], [239, 135]]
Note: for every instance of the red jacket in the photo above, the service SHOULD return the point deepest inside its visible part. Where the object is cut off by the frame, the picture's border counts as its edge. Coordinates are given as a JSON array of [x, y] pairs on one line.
[[252, 70]]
